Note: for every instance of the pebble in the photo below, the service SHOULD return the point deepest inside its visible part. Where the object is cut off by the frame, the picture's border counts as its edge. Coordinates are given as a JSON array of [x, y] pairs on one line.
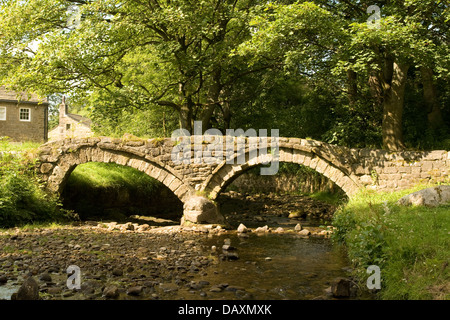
[[54, 290], [111, 292], [216, 289], [45, 277], [117, 272], [134, 291], [3, 279]]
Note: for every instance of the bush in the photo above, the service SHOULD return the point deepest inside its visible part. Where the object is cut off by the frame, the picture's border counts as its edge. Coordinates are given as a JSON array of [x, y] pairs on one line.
[[22, 197]]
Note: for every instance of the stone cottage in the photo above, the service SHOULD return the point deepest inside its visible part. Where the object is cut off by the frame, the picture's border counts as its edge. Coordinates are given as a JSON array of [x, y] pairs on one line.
[[70, 125], [23, 116]]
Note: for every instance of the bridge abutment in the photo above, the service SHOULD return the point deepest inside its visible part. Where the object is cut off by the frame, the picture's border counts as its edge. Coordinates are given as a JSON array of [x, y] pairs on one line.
[[201, 210]]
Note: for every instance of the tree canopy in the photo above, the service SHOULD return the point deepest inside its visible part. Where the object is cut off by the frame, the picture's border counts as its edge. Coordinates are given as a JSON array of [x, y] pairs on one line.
[[341, 71]]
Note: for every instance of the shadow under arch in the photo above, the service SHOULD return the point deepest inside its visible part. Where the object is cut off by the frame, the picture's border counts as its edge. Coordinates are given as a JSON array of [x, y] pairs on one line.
[[226, 173], [111, 192]]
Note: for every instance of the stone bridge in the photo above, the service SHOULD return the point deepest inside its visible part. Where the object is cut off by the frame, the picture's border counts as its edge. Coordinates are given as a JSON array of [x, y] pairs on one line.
[[197, 185]]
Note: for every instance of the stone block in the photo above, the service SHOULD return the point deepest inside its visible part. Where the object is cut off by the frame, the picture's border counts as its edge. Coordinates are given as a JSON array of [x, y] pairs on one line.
[[46, 167], [427, 166], [199, 209]]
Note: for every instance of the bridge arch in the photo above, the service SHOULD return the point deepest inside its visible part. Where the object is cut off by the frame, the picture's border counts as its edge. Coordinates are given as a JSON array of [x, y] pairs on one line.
[[226, 173], [61, 166]]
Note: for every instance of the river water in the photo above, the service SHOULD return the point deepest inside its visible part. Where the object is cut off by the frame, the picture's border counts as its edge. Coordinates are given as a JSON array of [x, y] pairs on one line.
[[272, 267]]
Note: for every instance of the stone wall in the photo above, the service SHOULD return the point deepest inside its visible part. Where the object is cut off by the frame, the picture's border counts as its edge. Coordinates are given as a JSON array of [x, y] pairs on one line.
[[385, 171]]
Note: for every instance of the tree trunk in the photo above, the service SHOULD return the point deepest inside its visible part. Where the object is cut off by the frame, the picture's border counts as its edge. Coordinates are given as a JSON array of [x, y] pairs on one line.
[[376, 91], [185, 116], [352, 87], [213, 97], [430, 96], [393, 99]]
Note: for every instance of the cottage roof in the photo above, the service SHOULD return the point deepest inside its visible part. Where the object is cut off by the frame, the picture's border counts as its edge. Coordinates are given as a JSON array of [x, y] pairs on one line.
[[24, 97], [80, 119]]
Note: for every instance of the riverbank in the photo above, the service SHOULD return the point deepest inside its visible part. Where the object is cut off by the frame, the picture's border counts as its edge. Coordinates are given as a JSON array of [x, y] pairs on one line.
[[410, 244]]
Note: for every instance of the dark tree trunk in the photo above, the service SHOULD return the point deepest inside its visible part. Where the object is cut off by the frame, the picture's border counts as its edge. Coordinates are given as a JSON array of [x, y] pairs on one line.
[[352, 87], [430, 95], [393, 99], [185, 116]]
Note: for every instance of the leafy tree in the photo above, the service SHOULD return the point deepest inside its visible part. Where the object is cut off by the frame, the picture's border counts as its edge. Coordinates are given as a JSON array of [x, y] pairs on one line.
[[334, 41], [145, 54]]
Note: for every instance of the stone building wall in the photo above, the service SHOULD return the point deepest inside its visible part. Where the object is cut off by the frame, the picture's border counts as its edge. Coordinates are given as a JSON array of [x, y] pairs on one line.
[[34, 130], [70, 125]]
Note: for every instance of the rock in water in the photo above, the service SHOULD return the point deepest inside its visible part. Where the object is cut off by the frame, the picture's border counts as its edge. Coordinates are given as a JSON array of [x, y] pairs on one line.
[[242, 228], [340, 288], [304, 232], [430, 197], [29, 290]]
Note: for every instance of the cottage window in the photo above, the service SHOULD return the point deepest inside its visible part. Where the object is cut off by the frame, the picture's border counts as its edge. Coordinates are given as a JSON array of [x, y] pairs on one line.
[[2, 113], [24, 114]]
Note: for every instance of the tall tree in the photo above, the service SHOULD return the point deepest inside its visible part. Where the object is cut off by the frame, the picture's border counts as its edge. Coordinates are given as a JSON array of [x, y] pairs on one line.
[[341, 38], [149, 53]]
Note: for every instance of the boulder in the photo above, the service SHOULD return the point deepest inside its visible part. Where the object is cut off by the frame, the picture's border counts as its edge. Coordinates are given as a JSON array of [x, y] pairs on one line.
[[304, 232], [340, 288], [29, 290], [242, 228], [199, 209], [430, 197]]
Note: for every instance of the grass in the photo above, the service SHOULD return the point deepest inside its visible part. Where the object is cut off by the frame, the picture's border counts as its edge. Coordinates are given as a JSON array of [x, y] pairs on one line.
[[328, 197], [411, 245], [110, 175], [7, 145]]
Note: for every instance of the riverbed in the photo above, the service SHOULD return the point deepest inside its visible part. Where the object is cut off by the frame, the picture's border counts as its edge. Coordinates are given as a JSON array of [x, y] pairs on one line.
[[156, 259]]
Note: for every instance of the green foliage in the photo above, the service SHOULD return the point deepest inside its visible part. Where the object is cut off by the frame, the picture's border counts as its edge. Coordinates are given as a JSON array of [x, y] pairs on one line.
[[22, 198], [309, 68], [409, 244]]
